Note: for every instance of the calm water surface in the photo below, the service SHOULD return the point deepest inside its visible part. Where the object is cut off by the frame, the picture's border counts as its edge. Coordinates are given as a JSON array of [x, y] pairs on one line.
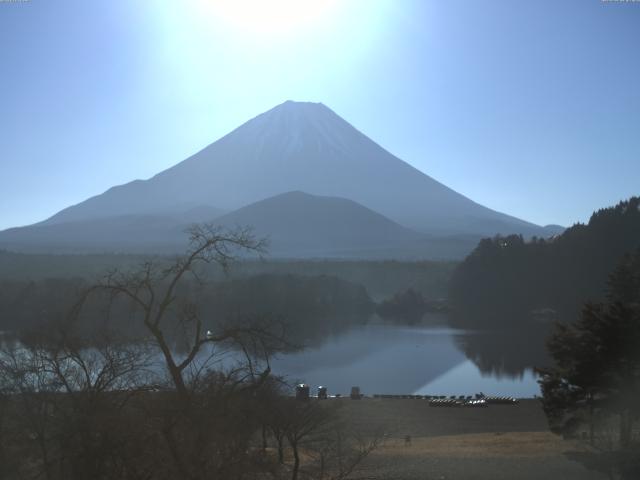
[[388, 359], [399, 360]]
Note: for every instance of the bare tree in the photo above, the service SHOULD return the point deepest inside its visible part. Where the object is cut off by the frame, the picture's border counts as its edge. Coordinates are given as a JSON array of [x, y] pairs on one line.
[[206, 417], [64, 398], [153, 290], [339, 452], [322, 444], [84, 404]]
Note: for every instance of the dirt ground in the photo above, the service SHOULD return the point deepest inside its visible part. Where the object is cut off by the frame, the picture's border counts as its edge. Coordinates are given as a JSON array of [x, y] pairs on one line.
[[497, 442]]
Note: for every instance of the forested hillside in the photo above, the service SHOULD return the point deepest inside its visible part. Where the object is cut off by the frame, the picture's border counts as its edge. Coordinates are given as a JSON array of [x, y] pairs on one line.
[[381, 278], [309, 306], [506, 281]]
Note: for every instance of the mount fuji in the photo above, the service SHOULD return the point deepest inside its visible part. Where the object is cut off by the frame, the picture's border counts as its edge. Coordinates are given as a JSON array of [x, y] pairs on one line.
[[294, 147]]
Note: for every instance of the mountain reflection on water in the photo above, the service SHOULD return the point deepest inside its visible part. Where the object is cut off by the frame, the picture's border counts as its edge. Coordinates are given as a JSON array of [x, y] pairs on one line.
[[390, 359]]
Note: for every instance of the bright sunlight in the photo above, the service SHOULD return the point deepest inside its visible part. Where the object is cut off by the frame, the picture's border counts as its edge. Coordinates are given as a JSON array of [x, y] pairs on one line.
[[268, 18]]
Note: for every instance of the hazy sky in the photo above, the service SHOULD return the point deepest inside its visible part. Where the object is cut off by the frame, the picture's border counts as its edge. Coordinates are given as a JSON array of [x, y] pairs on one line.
[[528, 107]]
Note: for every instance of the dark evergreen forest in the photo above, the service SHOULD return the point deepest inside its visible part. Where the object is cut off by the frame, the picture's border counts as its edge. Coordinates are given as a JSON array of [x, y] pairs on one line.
[[509, 282]]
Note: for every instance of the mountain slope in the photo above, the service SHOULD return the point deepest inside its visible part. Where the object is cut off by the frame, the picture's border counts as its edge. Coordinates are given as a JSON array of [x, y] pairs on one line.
[[301, 147], [297, 225], [301, 225], [118, 233]]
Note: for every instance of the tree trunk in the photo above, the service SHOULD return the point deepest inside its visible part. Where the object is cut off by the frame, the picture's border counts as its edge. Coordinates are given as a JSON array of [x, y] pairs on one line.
[[174, 450], [322, 467], [264, 438], [280, 449], [296, 462], [625, 428], [174, 371], [591, 426]]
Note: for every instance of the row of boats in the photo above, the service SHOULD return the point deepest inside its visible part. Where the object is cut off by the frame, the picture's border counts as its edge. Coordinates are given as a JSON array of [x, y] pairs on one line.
[[478, 400]]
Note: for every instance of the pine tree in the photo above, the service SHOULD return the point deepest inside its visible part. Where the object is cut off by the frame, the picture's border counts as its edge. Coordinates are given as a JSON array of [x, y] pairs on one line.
[[597, 360]]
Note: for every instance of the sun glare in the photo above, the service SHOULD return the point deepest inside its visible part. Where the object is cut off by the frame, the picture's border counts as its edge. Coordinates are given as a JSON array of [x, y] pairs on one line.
[[267, 17]]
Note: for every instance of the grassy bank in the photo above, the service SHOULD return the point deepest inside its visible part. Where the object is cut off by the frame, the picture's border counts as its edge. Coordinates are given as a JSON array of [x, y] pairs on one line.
[[497, 442]]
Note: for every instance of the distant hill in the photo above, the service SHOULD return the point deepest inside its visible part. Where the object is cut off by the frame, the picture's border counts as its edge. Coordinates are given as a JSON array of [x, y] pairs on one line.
[[132, 233], [298, 225], [299, 146], [551, 230]]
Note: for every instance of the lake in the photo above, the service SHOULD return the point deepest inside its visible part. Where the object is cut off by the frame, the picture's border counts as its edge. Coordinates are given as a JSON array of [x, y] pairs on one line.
[[425, 360], [387, 359]]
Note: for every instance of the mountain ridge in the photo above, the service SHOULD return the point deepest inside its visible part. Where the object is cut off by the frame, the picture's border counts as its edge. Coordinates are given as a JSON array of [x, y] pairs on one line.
[[295, 154], [298, 226], [308, 147]]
